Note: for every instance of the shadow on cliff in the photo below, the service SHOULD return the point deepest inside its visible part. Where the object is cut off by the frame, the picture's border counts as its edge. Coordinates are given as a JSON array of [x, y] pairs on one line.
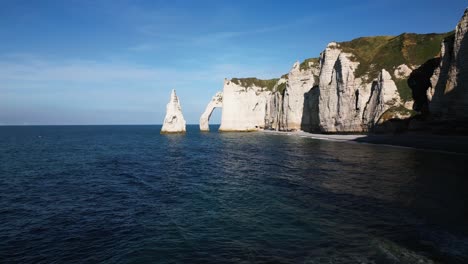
[[419, 81], [460, 92], [310, 110], [446, 114], [450, 100]]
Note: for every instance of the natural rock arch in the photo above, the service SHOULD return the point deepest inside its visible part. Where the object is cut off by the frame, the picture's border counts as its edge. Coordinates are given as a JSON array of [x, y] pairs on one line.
[[216, 101]]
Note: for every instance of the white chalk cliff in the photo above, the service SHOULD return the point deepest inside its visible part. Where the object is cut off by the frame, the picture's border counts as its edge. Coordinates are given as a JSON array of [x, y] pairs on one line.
[[215, 102], [449, 95], [353, 104], [353, 86], [340, 98], [299, 85], [274, 117], [384, 95], [244, 106], [174, 121]]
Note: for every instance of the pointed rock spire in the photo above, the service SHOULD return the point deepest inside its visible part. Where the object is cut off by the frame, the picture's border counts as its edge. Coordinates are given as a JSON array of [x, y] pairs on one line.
[[174, 121]]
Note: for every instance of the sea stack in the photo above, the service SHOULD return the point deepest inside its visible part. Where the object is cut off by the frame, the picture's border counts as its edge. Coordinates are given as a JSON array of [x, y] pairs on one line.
[[174, 121]]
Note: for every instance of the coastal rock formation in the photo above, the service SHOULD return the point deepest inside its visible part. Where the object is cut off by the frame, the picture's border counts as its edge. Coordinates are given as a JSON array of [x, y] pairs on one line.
[[420, 81], [274, 117], [354, 86], [449, 96], [340, 100], [403, 71], [216, 101], [299, 84], [174, 121], [363, 82], [245, 103], [384, 96], [292, 100]]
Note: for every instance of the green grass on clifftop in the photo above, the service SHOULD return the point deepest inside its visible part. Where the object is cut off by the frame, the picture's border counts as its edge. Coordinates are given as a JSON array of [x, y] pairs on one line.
[[308, 63], [281, 88], [403, 89], [251, 82], [388, 52]]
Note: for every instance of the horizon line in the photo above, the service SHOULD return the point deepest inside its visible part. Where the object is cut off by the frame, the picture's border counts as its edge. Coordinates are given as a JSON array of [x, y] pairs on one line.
[[5, 125]]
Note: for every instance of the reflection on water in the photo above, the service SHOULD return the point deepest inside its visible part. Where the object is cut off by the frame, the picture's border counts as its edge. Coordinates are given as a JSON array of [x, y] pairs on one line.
[[127, 194]]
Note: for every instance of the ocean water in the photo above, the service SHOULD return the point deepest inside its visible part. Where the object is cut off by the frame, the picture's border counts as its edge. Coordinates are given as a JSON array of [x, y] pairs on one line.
[[126, 194]]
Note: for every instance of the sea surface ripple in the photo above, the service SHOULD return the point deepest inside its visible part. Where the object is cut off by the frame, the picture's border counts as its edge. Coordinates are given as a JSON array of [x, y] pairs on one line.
[[126, 194]]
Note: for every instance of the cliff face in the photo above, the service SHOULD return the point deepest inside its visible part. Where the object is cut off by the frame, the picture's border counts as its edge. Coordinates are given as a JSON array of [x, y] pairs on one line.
[[449, 96], [299, 84], [292, 105], [363, 82], [355, 86], [274, 116], [280, 104], [244, 104], [340, 96], [384, 96], [174, 121]]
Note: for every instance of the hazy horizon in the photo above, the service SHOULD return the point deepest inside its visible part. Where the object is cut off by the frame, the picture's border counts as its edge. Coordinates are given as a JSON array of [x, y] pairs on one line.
[[115, 62], [193, 124]]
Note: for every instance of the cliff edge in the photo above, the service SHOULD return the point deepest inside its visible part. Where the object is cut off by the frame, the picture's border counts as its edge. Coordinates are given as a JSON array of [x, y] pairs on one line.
[[357, 86]]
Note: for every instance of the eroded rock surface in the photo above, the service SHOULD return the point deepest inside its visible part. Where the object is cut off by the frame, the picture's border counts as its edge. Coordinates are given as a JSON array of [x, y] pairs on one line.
[[355, 86], [296, 110], [449, 97], [174, 121], [216, 101], [244, 106]]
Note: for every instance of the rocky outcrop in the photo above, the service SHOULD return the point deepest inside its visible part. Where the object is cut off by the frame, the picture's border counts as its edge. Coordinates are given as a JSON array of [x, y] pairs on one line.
[[297, 96], [274, 116], [244, 104], [348, 103], [420, 81], [216, 101], [384, 96], [449, 96], [174, 121], [358, 74], [403, 71], [340, 100], [292, 105], [318, 95], [353, 87]]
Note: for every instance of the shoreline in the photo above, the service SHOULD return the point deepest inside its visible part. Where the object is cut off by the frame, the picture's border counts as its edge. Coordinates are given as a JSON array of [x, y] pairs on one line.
[[330, 137], [437, 143]]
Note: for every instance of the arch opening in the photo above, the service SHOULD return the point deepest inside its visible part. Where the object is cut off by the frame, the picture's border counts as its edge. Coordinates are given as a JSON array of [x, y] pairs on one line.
[[216, 102]]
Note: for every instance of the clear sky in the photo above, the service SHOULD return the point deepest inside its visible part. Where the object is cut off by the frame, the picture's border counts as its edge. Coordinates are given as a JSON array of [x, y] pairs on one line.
[[115, 62]]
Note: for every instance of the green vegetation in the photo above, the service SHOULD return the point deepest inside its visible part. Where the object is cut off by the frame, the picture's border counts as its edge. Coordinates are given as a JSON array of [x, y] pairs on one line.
[[403, 89], [307, 64], [365, 50], [316, 79], [251, 82], [373, 55], [396, 111], [387, 52], [281, 88]]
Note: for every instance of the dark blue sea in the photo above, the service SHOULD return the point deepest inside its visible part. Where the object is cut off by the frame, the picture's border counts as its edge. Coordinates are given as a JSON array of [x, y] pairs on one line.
[[126, 194]]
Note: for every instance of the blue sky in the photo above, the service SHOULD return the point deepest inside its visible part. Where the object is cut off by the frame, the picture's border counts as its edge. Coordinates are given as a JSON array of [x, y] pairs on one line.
[[115, 62]]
